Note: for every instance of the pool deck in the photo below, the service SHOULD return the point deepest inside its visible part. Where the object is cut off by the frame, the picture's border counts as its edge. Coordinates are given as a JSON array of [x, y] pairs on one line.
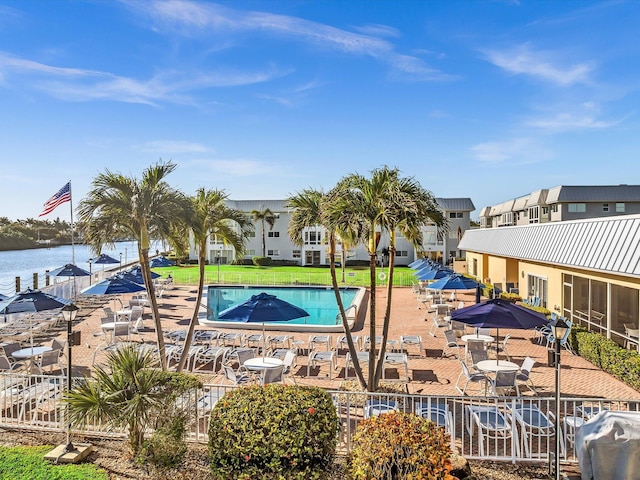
[[431, 374]]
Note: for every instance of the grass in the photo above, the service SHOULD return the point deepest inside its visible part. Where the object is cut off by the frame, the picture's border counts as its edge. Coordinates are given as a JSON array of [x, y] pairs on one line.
[[28, 462], [278, 275]]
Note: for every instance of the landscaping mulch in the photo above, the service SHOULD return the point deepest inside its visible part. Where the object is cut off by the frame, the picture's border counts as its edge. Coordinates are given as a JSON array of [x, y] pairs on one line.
[[112, 456]]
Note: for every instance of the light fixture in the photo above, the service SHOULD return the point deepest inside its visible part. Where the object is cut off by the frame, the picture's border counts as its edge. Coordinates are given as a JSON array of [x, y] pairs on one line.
[[560, 328], [69, 312], [90, 260]]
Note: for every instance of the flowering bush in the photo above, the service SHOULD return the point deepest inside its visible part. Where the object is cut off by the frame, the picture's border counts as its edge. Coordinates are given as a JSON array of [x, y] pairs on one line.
[[275, 431], [400, 446]]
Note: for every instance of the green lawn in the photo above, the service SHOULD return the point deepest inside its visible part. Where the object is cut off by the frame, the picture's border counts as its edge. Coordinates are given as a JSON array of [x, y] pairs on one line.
[[28, 462], [253, 275]]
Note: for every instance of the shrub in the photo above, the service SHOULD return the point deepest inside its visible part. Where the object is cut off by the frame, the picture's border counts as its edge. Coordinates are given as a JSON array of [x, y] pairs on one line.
[[542, 310], [261, 261], [510, 297], [275, 431], [606, 354], [398, 446], [166, 447]]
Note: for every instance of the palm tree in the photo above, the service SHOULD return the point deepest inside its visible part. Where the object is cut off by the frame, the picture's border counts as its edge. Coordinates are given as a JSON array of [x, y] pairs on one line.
[[383, 203], [209, 215], [308, 212], [264, 216], [125, 207], [128, 391]]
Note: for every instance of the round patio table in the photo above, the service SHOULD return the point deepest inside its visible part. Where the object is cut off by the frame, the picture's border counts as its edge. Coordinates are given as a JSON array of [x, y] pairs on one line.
[[483, 338], [262, 363], [496, 366], [30, 352]]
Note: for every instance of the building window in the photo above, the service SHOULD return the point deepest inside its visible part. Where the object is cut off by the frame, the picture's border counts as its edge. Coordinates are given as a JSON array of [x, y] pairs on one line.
[[312, 237], [620, 207], [455, 214], [554, 208], [545, 210], [296, 254], [273, 253], [534, 214], [402, 253], [251, 253], [605, 207], [273, 234], [577, 207]]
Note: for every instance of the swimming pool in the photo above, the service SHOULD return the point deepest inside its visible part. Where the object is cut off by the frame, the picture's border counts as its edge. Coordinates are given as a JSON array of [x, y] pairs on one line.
[[319, 302]]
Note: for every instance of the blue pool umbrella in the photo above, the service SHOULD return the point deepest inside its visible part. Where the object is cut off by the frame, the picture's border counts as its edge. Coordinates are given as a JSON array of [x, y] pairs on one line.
[[69, 270], [433, 274], [112, 285], [263, 308], [454, 282], [498, 313], [137, 271], [3, 297], [32, 301], [105, 259], [418, 263], [159, 262]]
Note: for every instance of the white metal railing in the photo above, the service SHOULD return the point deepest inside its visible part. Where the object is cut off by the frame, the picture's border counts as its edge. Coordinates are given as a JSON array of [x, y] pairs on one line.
[[34, 402]]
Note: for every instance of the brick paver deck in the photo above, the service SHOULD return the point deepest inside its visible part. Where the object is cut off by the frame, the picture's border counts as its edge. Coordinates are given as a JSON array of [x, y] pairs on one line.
[[431, 374]]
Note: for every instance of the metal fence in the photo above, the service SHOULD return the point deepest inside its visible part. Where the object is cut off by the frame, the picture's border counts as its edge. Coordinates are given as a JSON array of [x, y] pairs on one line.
[[513, 429]]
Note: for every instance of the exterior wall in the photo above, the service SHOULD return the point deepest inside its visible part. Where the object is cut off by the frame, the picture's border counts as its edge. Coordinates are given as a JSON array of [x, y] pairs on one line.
[[593, 210], [551, 274]]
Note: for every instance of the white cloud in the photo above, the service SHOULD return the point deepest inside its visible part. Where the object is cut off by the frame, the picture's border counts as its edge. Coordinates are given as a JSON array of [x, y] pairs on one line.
[[568, 121], [517, 150], [545, 65], [82, 85], [187, 16], [172, 147], [234, 167]]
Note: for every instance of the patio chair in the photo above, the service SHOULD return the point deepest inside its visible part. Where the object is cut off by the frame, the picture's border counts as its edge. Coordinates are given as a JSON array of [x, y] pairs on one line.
[[212, 355], [205, 337], [475, 346], [443, 310], [633, 334], [289, 362], [411, 340], [8, 350], [373, 408], [318, 357], [342, 344], [501, 347], [524, 374], [459, 328], [109, 313], [478, 356], [241, 355], [439, 414], [504, 383], [136, 318], [49, 359], [437, 323], [492, 425], [537, 430], [395, 358], [7, 366], [469, 377], [451, 344], [231, 339], [279, 341], [272, 375], [255, 340], [315, 340], [236, 378]]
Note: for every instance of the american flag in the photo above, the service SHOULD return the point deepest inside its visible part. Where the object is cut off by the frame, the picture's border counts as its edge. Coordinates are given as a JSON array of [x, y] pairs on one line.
[[63, 195]]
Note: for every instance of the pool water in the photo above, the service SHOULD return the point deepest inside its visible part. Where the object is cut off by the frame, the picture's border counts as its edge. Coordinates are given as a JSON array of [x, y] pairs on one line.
[[319, 302]]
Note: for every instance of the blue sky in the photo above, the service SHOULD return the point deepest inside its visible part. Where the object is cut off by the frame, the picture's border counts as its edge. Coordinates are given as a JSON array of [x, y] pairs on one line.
[[488, 100]]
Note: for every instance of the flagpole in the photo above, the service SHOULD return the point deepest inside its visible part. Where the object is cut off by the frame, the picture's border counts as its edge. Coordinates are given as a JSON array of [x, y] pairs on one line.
[[73, 251]]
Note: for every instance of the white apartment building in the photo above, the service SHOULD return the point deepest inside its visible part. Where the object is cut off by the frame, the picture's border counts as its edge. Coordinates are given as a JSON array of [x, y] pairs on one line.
[[440, 245], [561, 203]]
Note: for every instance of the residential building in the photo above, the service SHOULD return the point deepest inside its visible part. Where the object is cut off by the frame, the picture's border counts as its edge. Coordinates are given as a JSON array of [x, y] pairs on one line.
[[564, 202], [586, 270], [439, 244]]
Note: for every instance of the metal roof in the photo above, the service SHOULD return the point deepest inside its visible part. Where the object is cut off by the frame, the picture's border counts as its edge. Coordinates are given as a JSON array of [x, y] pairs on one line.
[[520, 203], [606, 244], [249, 205], [594, 193], [456, 204]]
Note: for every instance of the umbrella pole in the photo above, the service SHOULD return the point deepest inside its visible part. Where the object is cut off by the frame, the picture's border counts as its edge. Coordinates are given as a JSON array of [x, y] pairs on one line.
[[264, 342]]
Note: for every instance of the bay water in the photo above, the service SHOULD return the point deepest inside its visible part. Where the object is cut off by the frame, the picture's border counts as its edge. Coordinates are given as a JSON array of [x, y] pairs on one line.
[[24, 263]]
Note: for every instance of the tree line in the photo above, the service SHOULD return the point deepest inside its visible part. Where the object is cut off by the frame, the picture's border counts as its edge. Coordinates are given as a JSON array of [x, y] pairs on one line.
[[33, 233]]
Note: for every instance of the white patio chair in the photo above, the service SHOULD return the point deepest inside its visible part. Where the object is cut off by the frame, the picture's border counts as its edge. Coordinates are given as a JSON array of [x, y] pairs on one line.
[[49, 359], [436, 323], [373, 408], [537, 430], [469, 377], [213, 355], [524, 374], [396, 359], [451, 344], [7, 366], [411, 340], [492, 426], [315, 340], [272, 375], [504, 383], [439, 414], [236, 378], [318, 357], [502, 347], [279, 341]]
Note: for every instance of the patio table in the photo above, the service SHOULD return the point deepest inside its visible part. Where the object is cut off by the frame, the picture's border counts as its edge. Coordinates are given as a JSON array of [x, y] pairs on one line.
[[30, 353]]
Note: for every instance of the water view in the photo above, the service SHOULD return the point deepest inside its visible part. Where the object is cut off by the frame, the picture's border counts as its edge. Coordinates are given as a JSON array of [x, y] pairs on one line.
[[24, 263]]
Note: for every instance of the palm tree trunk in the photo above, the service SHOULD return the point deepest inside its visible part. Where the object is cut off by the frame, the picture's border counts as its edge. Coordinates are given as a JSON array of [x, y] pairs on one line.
[[372, 321], [196, 311], [151, 293], [343, 315], [264, 242], [387, 315]]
